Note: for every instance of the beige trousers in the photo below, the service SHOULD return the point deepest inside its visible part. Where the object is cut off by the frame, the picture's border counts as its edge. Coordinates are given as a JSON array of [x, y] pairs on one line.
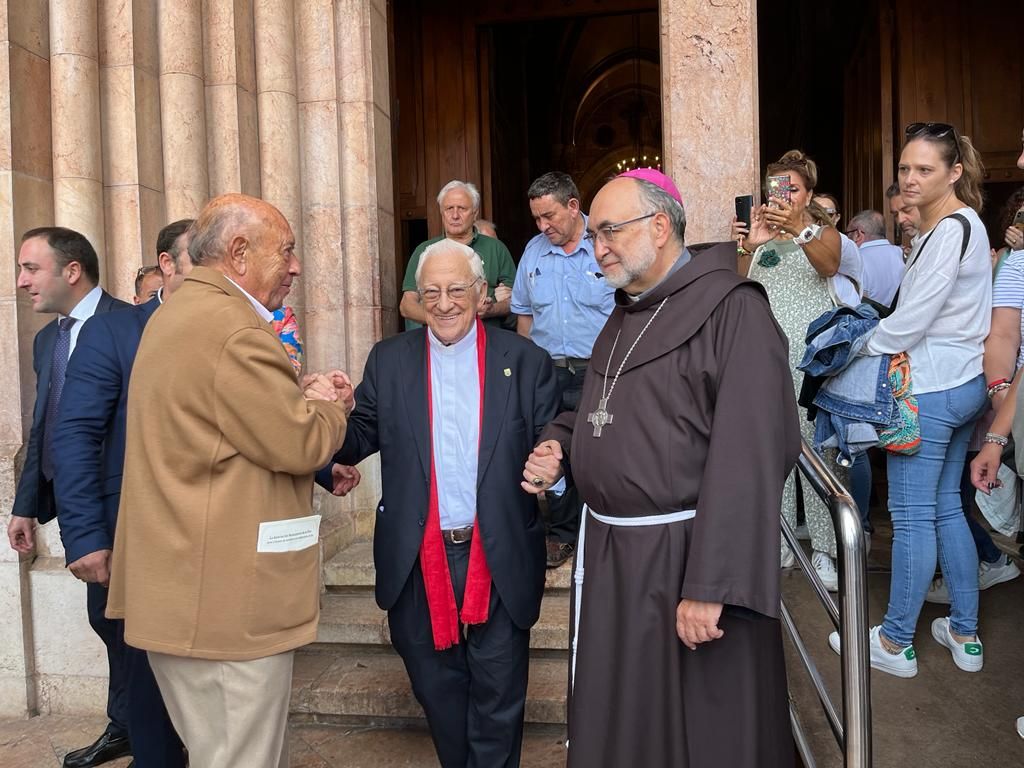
[[229, 713]]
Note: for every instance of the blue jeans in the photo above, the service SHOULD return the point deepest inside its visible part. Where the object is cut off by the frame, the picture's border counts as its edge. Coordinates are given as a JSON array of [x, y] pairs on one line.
[[927, 517]]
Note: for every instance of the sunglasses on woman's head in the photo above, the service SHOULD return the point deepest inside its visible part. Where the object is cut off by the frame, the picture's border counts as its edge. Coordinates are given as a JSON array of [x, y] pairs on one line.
[[935, 131]]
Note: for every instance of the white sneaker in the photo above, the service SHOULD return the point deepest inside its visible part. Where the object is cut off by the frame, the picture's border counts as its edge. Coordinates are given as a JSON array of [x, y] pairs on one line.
[[787, 559], [990, 574], [802, 533], [968, 656], [825, 567], [902, 664]]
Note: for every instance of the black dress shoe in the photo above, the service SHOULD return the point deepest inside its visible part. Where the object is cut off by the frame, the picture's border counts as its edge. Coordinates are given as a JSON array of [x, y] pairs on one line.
[[106, 748]]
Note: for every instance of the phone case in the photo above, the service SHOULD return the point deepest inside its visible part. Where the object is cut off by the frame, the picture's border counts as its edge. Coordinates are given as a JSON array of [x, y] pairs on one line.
[[1018, 220], [778, 187]]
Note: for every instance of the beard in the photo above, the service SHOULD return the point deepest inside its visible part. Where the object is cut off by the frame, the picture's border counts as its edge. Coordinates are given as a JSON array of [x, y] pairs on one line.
[[633, 268]]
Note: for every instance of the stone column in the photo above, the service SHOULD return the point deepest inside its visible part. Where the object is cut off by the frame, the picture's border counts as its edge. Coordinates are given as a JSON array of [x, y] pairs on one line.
[[182, 108], [26, 201], [274, 22], [710, 108], [132, 153], [232, 139], [75, 94]]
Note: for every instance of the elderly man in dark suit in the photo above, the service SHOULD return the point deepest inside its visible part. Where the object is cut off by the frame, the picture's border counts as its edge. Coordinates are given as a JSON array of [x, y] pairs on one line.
[[89, 457], [59, 270], [453, 409]]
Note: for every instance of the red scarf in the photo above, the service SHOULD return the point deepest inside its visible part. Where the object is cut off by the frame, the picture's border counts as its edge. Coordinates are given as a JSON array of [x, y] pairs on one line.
[[444, 615]]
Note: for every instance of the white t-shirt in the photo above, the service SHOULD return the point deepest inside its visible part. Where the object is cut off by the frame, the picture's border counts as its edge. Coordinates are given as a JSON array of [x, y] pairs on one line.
[[944, 309], [847, 283], [883, 270]]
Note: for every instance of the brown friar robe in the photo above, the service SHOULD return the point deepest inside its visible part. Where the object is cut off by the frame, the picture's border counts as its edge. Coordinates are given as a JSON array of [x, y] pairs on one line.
[[704, 418]]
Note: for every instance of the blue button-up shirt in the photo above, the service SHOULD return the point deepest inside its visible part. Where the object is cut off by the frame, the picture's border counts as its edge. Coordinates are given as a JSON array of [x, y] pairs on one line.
[[567, 295], [455, 437]]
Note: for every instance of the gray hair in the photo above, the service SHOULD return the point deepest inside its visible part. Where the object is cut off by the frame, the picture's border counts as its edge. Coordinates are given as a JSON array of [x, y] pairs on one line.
[[476, 266], [555, 183], [657, 200], [465, 186], [870, 223]]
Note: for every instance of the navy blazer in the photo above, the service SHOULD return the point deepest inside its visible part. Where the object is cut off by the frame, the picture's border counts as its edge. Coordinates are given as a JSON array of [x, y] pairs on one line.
[[390, 416], [89, 439], [34, 497]]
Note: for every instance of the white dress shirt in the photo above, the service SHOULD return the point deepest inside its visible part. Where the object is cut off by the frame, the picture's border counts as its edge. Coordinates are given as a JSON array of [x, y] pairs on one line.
[[883, 270], [262, 311], [84, 309], [455, 437]]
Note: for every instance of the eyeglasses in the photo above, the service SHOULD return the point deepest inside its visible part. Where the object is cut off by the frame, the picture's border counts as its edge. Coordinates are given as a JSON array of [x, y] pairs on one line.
[[453, 292], [606, 234], [143, 271], [935, 131], [853, 232]]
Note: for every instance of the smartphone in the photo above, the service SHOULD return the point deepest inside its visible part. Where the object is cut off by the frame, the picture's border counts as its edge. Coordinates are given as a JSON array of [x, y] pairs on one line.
[[778, 188], [744, 204], [1018, 220]]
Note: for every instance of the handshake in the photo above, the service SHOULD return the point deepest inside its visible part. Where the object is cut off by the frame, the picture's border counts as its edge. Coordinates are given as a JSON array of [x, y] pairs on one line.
[[333, 386]]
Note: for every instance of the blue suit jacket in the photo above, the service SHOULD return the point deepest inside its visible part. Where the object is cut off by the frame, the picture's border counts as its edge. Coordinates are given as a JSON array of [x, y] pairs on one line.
[[34, 497], [88, 442], [520, 398]]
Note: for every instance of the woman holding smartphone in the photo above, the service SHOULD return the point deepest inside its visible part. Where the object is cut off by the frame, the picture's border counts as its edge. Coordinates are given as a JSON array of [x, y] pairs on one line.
[[795, 251], [941, 320]]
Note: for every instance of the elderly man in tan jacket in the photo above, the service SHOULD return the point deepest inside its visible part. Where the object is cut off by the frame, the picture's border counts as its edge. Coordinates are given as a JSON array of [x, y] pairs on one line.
[[216, 566]]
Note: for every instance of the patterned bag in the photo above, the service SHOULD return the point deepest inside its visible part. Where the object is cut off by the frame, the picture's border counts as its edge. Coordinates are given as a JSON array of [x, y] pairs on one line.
[[906, 438]]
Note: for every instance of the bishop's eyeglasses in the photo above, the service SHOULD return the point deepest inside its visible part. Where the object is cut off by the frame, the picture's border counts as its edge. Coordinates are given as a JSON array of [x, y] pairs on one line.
[[606, 234]]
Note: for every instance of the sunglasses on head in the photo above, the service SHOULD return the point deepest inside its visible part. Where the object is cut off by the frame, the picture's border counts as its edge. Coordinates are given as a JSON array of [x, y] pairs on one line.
[[934, 131], [143, 271]]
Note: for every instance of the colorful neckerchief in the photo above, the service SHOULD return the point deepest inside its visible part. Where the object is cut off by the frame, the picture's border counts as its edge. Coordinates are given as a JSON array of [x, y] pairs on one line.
[[444, 614]]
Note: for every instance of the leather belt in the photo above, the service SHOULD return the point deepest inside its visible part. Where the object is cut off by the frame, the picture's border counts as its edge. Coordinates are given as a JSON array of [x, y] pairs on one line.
[[458, 535], [572, 363]]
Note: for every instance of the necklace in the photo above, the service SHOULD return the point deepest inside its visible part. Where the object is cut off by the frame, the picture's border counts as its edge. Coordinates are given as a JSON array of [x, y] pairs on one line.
[[601, 417]]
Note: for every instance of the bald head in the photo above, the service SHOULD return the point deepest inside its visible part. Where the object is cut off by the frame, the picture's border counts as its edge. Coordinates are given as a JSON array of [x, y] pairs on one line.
[[249, 241]]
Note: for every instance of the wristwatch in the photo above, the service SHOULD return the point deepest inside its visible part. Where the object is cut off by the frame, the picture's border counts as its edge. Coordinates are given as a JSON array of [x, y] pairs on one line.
[[811, 232]]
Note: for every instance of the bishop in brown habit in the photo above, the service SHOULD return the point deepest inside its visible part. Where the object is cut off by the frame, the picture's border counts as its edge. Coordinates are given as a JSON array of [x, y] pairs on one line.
[[686, 430]]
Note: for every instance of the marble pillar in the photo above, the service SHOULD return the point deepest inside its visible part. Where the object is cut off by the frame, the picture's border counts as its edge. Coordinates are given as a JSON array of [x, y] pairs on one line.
[[182, 108], [276, 88], [710, 108], [75, 109]]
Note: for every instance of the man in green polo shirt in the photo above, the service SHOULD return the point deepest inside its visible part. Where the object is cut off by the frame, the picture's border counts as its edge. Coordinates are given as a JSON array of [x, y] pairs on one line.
[[459, 202]]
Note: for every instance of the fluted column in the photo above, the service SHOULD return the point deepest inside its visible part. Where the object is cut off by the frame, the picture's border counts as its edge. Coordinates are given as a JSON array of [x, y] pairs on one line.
[[132, 152], [182, 107], [709, 108], [75, 94], [274, 22], [232, 134]]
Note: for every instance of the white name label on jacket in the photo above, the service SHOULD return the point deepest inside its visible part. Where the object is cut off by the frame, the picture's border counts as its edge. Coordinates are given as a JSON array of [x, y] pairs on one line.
[[289, 535]]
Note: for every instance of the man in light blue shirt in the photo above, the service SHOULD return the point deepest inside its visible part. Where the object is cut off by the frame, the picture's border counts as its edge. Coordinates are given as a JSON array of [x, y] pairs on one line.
[[562, 302]]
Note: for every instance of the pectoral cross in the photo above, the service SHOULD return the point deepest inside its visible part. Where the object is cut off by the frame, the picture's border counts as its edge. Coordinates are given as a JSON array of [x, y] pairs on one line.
[[600, 417]]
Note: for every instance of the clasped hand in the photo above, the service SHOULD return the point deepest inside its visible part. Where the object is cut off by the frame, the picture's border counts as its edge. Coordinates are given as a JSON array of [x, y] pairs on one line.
[[93, 568], [697, 622], [333, 386], [543, 467]]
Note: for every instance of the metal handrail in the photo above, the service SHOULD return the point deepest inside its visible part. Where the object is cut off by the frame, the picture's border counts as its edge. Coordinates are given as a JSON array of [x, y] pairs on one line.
[[853, 733]]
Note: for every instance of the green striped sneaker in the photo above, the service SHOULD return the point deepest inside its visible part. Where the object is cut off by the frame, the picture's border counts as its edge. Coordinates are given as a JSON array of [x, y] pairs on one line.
[[968, 656]]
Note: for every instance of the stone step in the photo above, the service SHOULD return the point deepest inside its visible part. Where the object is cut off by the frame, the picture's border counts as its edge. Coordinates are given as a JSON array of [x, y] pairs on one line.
[[353, 567], [353, 618], [325, 745], [360, 686]]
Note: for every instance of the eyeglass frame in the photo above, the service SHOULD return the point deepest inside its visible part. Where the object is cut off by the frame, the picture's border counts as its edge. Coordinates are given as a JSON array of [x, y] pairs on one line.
[[935, 131], [606, 234], [446, 291], [143, 271]]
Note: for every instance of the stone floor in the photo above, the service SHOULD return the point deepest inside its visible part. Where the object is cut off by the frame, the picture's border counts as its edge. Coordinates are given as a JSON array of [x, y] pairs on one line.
[[41, 742]]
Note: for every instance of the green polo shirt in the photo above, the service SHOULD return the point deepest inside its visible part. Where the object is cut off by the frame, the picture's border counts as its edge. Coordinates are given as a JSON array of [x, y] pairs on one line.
[[498, 267]]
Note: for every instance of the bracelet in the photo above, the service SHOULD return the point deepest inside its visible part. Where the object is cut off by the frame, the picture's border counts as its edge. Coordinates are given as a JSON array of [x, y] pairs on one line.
[[741, 251], [992, 437], [998, 388], [998, 381]]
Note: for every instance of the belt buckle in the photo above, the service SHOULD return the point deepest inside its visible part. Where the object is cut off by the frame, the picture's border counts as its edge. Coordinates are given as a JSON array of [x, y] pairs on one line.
[[459, 535]]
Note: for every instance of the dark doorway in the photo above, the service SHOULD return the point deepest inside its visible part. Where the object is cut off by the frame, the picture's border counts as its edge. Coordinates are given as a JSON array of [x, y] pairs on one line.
[[580, 95]]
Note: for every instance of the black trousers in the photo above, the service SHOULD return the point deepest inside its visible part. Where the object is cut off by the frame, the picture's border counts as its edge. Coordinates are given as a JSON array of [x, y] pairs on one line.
[[474, 694], [563, 512], [134, 704]]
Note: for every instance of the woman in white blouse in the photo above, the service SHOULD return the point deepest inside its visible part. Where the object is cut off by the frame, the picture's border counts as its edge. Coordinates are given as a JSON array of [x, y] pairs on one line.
[[941, 321]]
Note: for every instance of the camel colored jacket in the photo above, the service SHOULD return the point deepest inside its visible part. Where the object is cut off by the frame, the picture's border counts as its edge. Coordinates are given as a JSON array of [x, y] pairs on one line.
[[219, 440]]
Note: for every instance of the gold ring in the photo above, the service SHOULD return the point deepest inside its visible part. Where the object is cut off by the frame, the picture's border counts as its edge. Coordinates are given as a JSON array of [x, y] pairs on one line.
[[537, 482]]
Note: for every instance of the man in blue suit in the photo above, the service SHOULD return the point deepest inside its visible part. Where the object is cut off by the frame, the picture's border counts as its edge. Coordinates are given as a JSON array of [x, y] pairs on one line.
[[59, 270], [459, 551], [88, 452]]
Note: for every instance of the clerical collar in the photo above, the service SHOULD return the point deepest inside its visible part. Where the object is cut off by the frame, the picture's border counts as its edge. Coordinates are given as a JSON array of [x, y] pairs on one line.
[[466, 342], [681, 262], [262, 311]]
